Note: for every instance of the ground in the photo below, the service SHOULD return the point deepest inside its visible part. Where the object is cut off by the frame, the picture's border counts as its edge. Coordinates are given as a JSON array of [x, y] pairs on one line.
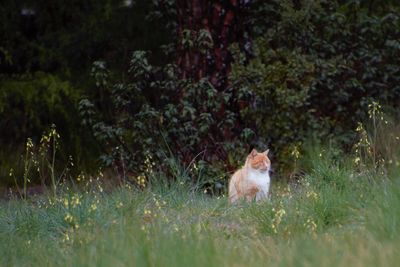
[[333, 216]]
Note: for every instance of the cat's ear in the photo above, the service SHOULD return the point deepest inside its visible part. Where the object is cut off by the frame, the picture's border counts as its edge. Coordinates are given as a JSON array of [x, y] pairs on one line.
[[253, 153], [266, 152]]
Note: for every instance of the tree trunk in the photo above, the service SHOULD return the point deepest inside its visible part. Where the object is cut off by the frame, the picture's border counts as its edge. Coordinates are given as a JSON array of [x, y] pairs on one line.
[[206, 29]]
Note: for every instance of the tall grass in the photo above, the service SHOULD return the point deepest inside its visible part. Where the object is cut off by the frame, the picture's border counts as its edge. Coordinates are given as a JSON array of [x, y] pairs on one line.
[[333, 217], [342, 212]]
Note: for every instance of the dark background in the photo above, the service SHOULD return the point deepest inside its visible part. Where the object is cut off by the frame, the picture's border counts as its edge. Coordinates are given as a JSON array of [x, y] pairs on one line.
[[135, 85]]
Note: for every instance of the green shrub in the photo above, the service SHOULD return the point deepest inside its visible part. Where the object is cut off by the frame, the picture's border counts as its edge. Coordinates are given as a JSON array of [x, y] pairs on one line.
[[317, 67], [29, 105], [154, 117]]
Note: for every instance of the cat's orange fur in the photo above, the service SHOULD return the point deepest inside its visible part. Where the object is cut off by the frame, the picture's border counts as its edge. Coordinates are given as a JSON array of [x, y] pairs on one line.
[[252, 180]]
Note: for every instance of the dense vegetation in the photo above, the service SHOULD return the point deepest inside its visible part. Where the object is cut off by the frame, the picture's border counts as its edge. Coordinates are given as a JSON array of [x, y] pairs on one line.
[[292, 70], [121, 122], [345, 211]]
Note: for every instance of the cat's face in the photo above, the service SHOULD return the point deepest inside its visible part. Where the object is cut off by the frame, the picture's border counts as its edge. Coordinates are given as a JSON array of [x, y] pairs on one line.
[[259, 161]]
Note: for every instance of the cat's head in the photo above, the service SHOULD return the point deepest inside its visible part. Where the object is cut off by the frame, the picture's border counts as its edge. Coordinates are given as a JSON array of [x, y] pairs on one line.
[[259, 160]]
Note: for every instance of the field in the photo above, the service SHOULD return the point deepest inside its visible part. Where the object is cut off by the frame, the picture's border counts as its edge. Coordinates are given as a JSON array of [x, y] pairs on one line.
[[335, 215], [122, 122]]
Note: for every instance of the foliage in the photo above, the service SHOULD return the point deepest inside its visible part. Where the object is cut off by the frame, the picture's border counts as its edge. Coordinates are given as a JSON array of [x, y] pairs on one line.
[[39, 164], [316, 68], [45, 54], [337, 214], [67, 36], [343, 219], [29, 105], [155, 115]]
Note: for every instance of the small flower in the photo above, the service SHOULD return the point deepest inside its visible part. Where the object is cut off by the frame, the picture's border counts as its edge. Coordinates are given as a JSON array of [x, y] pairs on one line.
[[311, 225], [93, 207], [146, 211], [80, 177], [75, 201], [141, 180], [68, 218], [29, 143], [295, 152], [66, 237], [312, 195], [281, 212]]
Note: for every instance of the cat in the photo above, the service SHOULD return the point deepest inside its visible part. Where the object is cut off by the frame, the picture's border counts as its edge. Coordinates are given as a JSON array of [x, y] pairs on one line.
[[252, 181]]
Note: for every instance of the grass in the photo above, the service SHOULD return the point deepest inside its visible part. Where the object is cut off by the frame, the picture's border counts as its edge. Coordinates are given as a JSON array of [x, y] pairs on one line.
[[334, 216]]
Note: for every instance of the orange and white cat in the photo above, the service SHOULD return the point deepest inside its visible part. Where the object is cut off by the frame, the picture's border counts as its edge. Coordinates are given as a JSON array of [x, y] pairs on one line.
[[252, 181]]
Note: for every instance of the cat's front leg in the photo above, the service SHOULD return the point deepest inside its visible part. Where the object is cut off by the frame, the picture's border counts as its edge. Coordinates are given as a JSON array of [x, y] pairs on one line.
[[261, 195]]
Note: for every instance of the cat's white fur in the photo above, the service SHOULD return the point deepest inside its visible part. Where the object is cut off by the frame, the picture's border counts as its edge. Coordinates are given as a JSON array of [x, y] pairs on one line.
[[262, 180], [252, 181]]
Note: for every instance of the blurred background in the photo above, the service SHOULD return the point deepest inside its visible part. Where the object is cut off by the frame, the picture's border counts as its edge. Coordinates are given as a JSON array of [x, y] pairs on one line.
[[143, 88]]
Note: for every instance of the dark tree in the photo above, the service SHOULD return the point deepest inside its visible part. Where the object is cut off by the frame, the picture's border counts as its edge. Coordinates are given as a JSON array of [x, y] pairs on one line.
[[206, 29]]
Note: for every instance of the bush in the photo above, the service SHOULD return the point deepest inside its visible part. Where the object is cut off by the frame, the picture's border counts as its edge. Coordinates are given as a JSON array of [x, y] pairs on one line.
[[29, 105], [154, 116], [316, 68]]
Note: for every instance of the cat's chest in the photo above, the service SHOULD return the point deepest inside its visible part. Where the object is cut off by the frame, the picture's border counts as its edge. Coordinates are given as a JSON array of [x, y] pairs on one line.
[[262, 180]]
